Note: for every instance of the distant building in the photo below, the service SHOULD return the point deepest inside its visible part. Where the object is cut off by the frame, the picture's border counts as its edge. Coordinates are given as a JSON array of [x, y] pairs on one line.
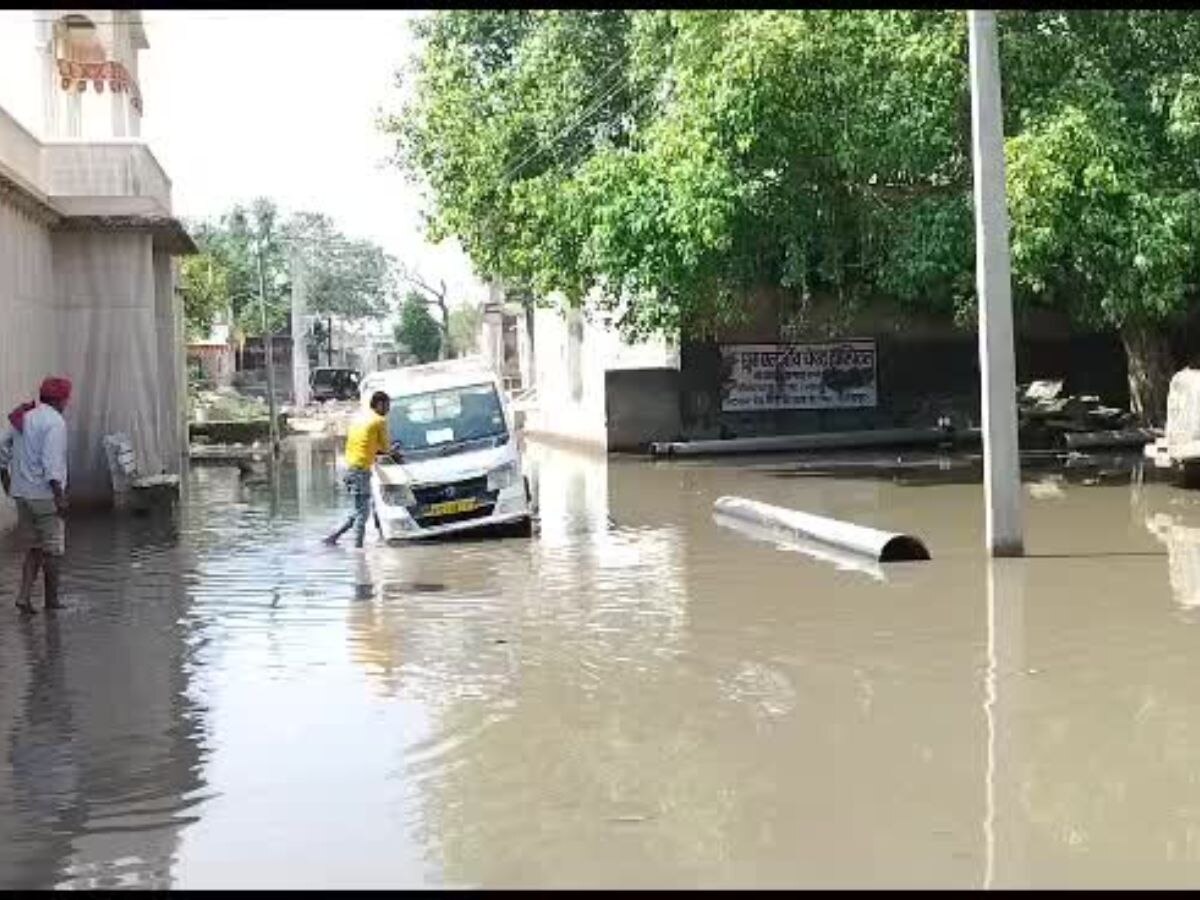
[[88, 242], [505, 341], [211, 360], [585, 384]]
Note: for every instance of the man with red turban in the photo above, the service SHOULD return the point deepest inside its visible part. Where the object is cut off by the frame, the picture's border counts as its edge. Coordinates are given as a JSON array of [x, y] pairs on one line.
[[33, 469]]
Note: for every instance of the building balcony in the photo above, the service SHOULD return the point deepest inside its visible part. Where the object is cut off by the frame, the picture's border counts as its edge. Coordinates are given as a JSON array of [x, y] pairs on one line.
[[111, 178], [84, 184], [20, 156], [118, 177]]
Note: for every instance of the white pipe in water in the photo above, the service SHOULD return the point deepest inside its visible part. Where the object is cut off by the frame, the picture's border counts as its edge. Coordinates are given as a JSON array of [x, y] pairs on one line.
[[882, 546]]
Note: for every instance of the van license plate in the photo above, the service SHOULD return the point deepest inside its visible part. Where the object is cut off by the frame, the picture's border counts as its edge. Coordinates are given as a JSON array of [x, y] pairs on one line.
[[450, 507]]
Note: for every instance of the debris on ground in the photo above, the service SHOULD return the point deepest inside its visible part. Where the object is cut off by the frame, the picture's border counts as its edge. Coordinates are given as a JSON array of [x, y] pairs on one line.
[[227, 416], [225, 405], [329, 418], [1047, 416]]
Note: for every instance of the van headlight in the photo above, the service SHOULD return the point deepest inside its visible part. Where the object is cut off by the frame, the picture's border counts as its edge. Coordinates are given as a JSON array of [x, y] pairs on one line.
[[398, 495], [503, 476]]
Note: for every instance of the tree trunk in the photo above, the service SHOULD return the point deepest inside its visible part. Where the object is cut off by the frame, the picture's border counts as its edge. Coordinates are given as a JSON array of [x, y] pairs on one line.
[[444, 350], [1148, 355]]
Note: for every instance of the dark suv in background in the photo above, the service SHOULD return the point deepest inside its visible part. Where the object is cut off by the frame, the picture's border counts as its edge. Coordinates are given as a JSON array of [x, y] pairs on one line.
[[334, 384]]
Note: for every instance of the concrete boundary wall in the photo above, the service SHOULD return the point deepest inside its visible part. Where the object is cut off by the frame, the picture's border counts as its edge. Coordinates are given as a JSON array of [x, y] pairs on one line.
[[642, 407]]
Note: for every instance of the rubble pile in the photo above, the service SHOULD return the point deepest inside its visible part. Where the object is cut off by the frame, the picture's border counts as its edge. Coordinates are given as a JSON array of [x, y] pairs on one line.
[[225, 405], [1049, 418], [227, 417], [329, 418]]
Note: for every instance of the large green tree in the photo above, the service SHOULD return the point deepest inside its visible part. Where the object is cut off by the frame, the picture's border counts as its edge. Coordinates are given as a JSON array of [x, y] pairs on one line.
[[1104, 185], [670, 161]]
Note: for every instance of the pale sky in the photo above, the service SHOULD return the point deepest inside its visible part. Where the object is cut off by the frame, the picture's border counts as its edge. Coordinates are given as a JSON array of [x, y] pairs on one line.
[[277, 103]]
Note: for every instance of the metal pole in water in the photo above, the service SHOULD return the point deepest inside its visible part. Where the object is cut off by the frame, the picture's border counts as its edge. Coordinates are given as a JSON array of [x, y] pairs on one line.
[[997, 363]]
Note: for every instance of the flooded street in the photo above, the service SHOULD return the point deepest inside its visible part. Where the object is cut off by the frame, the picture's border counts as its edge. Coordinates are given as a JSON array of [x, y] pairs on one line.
[[639, 696]]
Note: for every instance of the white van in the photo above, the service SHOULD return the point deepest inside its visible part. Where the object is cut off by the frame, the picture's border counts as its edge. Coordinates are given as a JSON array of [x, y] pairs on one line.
[[461, 466]]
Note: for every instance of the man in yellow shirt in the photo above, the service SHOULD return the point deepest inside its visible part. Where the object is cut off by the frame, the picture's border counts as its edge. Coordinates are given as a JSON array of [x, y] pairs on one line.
[[367, 438]]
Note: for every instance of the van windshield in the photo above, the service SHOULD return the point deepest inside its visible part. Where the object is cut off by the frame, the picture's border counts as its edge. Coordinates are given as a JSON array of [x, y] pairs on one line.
[[442, 420]]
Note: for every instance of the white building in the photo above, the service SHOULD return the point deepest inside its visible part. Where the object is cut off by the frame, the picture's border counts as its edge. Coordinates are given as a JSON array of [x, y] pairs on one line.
[[590, 386], [87, 247]]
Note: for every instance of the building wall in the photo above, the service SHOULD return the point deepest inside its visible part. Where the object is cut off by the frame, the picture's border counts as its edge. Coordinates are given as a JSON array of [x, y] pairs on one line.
[[595, 388], [641, 406], [77, 298], [99, 308], [215, 364], [919, 379], [172, 378], [570, 379], [574, 357], [108, 345], [27, 334]]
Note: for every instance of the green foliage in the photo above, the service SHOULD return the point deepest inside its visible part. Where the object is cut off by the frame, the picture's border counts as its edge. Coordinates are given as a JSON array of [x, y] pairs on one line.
[[350, 279], [1104, 190], [232, 240], [671, 161], [417, 330], [465, 322], [204, 283]]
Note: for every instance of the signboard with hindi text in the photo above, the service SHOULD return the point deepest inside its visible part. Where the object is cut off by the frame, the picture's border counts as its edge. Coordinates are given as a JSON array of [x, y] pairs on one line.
[[829, 375]]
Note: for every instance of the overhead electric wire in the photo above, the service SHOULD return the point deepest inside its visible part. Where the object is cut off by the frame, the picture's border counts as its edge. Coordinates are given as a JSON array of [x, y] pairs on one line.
[[616, 85]]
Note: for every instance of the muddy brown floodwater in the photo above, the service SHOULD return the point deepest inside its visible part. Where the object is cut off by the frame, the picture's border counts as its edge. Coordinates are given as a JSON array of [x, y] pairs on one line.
[[638, 696]]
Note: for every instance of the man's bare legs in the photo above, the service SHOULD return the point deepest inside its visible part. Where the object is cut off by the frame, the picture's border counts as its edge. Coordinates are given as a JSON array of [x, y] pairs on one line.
[[50, 568], [29, 573]]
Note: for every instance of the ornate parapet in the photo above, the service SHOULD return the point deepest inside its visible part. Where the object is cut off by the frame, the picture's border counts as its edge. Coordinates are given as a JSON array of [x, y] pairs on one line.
[[75, 76]]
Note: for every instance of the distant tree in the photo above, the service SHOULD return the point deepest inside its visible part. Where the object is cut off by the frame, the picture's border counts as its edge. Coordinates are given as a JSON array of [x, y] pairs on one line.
[[464, 330], [348, 279], [417, 329], [240, 236], [204, 283], [430, 296]]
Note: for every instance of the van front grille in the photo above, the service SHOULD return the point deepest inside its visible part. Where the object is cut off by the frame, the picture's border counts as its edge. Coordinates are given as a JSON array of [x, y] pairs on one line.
[[427, 495]]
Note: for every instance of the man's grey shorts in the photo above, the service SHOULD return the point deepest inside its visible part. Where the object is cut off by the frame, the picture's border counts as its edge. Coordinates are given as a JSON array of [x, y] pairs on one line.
[[41, 526]]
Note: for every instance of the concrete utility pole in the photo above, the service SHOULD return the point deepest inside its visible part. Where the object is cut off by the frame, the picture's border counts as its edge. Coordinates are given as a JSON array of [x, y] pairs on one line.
[[997, 363], [299, 343], [269, 348]]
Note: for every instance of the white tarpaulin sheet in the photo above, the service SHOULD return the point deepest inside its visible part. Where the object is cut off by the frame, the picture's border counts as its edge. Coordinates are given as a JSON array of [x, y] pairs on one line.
[[99, 308], [831, 375]]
